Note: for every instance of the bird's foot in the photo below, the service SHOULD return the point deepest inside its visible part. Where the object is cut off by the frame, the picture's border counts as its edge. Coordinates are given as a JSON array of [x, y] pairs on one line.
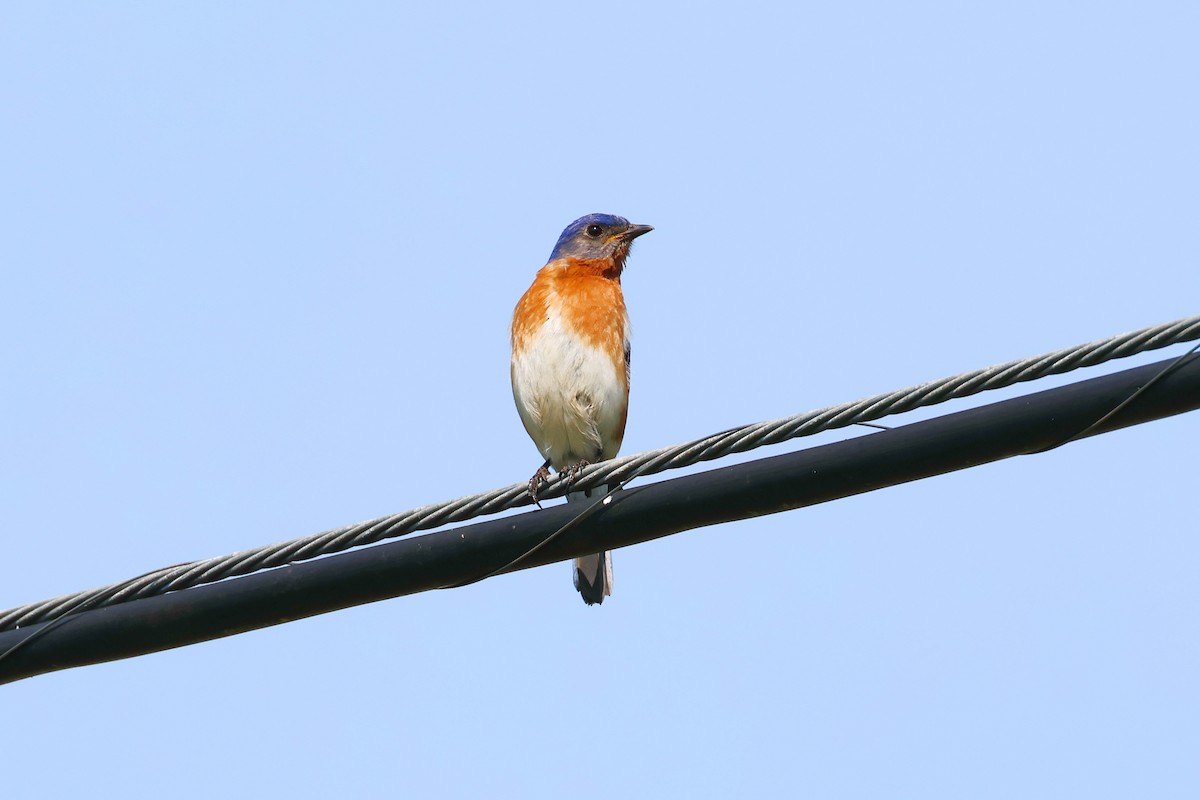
[[539, 479], [572, 472]]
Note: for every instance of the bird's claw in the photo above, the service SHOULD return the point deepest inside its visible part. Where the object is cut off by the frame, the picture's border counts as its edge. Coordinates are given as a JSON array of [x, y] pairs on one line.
[[542, 478], [572, 472], [539, 479]]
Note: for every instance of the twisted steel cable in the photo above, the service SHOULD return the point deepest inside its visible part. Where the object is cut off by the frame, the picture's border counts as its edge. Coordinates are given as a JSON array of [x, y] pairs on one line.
[[735, 440]]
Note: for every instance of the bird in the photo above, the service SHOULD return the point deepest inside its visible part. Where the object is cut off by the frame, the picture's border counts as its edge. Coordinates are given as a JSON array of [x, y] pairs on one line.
[[570, 363]]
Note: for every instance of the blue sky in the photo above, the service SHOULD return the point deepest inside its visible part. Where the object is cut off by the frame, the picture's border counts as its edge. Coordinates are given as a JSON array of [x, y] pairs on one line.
[[258, 267]]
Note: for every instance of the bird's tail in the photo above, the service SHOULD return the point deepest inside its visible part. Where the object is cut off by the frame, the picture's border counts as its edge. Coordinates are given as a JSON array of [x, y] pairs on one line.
[[593, 574], [593, 577]]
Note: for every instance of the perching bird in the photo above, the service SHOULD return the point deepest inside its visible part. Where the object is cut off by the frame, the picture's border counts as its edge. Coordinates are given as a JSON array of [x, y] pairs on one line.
[[570, 362]]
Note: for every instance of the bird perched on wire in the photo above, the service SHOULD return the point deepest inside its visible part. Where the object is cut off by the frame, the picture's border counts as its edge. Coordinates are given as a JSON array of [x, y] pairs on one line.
[[570, 362]]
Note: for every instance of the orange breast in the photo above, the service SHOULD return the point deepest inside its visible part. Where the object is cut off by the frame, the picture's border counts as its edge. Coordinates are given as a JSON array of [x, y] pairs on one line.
[[588, 297]]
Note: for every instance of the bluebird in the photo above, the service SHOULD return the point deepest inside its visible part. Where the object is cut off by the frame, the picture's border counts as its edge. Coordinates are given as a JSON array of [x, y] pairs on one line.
[[570, 362]]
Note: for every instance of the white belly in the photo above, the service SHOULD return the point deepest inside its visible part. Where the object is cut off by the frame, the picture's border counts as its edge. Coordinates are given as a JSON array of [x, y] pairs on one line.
[[571, 396]]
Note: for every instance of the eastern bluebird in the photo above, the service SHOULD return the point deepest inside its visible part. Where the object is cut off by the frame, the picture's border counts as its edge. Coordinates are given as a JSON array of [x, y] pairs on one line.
[[570, 362]]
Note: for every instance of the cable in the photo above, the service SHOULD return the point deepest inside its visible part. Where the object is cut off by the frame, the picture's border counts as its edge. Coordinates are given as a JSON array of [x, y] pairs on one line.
[[753, 488], [615, 471], [1167, 370]]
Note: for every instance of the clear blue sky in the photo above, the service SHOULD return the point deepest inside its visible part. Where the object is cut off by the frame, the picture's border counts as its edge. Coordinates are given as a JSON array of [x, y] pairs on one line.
[[258, 267]]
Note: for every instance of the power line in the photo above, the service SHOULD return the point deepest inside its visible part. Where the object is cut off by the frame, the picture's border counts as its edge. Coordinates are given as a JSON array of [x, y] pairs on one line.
[[735, 440], [1029, 424]]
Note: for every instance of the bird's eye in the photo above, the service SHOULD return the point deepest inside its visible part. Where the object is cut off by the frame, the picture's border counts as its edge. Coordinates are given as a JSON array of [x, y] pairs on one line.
[[594, 230]]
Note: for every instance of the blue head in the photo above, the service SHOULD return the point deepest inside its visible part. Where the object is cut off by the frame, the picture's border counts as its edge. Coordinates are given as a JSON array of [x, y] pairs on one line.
[[598, 236]]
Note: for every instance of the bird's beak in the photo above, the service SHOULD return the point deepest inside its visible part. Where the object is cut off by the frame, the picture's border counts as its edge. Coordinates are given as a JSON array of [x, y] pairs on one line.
[[634, 231]]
